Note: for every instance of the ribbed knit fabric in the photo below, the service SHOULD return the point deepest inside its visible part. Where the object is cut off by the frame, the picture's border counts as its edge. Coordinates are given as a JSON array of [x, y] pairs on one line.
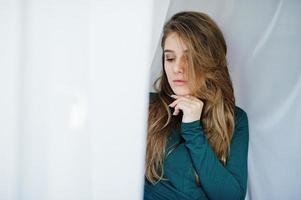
[[192, 154]]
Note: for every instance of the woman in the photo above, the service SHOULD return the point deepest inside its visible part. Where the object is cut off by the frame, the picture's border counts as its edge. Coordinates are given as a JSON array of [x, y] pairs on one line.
[[197, 143]]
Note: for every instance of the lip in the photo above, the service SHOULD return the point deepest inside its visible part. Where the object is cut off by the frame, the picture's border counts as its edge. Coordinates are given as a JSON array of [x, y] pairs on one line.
[[179, 82]]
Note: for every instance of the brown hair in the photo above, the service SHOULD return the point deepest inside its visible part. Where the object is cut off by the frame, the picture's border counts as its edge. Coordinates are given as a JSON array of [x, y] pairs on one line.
[[208, 80]]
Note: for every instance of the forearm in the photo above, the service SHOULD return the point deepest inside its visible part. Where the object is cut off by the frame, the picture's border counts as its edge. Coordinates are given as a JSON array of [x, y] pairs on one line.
[[217, 180]]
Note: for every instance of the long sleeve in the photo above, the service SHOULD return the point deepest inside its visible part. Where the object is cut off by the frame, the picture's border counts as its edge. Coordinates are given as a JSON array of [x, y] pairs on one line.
[[219, 181]]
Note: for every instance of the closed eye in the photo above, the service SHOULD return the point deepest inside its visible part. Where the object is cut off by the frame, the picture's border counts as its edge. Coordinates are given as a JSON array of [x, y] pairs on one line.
[[169, 59]]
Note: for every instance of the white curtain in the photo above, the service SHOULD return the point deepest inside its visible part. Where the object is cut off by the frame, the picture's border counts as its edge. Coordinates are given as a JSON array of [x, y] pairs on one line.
[[74, 94], [264, 48]]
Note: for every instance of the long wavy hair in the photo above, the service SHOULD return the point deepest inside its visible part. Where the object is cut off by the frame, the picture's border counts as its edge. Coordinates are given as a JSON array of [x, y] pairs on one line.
[[208, 80]]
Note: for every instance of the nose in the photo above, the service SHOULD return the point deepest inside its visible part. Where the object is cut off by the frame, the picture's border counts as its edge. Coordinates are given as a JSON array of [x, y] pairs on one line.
[[180, 65]]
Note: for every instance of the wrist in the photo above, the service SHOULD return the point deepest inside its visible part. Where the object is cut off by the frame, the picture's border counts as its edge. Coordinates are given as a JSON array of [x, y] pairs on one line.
[[189, 120]]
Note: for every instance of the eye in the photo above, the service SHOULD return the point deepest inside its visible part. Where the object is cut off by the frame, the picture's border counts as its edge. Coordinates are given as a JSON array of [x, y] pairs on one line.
[[169, 59]]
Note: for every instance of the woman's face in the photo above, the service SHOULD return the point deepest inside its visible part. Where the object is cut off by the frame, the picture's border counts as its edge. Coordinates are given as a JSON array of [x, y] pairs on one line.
[[175, 64]]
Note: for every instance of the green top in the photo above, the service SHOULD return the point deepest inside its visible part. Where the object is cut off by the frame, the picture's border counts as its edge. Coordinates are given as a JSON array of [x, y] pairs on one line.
[[192, 154]]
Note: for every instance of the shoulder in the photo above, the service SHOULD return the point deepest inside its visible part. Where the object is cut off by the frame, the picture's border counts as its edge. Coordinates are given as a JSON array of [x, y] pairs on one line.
[[241, 117], [240, 113], [152, 96]]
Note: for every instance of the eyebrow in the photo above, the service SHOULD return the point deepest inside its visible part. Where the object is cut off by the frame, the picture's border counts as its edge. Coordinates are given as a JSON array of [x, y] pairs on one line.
[[168, 50]]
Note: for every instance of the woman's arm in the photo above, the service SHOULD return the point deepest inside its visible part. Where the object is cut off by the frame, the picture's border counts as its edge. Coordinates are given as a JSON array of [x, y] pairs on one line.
[[219, 181]]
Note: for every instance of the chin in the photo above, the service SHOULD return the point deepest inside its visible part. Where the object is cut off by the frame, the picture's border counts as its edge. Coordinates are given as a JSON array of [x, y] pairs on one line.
[[181, 92]]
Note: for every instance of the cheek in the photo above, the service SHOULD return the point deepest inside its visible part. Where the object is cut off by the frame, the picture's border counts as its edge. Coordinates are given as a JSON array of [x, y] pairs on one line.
[[167, 69]]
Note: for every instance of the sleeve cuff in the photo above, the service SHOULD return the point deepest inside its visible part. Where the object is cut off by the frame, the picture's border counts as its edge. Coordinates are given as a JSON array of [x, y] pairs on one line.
[[193, 132], [192, 126]]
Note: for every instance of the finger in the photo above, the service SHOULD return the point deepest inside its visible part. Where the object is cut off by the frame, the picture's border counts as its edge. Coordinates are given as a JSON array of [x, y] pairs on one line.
[[194, 100], [175, 96], [176, 111], [181, 106], [184, 105], [174, 103], [178, 96], [186, 97], [180, 99]]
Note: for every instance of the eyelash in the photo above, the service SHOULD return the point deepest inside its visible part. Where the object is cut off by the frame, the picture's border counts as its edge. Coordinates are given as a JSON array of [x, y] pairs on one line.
[[169, 59]]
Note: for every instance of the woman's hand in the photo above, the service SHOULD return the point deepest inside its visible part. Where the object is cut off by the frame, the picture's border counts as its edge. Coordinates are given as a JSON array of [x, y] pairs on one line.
[[191, 107]]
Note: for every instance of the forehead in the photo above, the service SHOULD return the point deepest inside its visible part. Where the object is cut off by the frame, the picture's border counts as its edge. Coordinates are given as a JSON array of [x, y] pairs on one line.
[[175, 43]]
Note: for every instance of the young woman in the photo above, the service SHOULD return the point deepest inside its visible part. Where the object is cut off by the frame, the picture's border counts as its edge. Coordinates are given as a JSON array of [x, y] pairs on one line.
[[197, 143]]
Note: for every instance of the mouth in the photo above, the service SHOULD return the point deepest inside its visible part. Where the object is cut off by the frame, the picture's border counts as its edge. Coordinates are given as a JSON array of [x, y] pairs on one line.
[[179, 82]]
